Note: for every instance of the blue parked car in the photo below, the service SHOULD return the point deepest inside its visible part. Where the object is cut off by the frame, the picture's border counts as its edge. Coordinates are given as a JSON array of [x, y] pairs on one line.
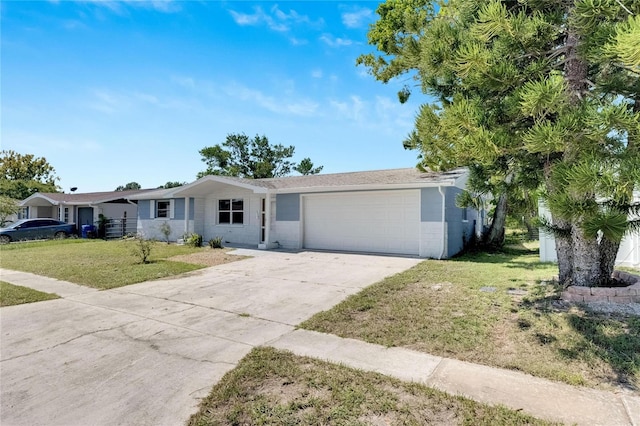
[[36, 229]]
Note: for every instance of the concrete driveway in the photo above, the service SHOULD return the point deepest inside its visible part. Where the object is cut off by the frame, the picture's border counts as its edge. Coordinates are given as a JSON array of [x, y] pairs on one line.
[[146, 354]]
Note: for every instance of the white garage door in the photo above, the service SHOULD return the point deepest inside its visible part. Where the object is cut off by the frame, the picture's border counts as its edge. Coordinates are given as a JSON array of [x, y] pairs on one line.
[[379, 222]]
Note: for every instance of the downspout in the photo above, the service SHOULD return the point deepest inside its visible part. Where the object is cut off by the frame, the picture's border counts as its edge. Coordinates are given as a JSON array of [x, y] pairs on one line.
[[187, 213], [267, 219], [443, 243]]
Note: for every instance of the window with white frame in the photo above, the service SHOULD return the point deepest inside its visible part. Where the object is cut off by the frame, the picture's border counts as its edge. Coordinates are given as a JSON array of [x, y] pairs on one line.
[[231, 211], [163, 209], [23, 213]]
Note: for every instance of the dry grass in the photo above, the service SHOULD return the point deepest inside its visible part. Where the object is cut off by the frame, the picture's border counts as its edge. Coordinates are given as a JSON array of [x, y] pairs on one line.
[[271, 387], [492, 309], [208, 257]]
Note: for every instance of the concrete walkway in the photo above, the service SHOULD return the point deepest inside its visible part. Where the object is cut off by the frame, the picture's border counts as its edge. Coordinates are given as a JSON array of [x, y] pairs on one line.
[[541, 398], [44, 284], [147, 353]]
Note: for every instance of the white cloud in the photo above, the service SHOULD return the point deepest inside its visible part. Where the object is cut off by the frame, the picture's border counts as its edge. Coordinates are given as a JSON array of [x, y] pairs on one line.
[[298, 42], [245, 19], [45, 144], [186, 82], [275, 19], [352, 109], [286, 106], [166, 6], [363, 72], [119, 6], [146, 98], [296, 18], [259, 17], [108, 102], [73, 24], [113, 102], [332, 41], [357, 18], [317, 73]]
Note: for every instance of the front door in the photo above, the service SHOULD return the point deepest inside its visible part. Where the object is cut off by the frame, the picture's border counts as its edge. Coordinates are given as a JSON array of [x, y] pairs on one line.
[[85, 216]]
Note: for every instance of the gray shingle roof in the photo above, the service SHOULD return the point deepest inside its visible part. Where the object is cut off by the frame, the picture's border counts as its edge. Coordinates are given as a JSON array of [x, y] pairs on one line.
[[91, 197], [374, 177], [392, 178]]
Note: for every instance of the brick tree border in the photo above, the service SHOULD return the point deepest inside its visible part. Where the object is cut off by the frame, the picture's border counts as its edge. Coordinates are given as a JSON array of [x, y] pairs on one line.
[[629, 294]]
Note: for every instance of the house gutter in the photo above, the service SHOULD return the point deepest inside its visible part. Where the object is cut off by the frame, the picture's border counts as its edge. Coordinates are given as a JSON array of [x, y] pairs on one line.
[[443, 223]]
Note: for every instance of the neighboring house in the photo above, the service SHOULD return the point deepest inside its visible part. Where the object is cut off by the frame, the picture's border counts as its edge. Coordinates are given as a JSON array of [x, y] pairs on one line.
[[628, 253], [400, 211], [84, 208], [21, 214]]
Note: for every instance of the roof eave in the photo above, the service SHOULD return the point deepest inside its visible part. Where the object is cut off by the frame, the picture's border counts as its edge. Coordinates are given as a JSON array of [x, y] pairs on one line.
[[38, 195], [184, 190], [367, 187]]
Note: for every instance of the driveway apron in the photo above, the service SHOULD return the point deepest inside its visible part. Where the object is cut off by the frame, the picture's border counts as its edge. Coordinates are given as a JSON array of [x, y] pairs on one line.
[[146, 354]]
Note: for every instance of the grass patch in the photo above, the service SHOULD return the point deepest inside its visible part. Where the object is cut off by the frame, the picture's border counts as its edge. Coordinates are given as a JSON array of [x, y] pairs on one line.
[[493, 309], [271, 387], [11, 294], [95, 263]]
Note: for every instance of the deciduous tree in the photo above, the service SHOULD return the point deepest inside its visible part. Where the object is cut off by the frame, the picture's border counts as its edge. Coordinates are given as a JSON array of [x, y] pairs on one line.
[[129, 186], [22, 175], [252, 158], [171, 184], [8, 207]]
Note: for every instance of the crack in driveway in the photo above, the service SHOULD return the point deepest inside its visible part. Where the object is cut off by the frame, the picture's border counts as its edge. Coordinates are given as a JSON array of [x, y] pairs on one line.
[[89, 333], [145, 376]]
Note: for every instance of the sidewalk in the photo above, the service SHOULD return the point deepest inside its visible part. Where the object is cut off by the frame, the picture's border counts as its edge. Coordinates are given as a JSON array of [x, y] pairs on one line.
[[540, 398], [45, 284]]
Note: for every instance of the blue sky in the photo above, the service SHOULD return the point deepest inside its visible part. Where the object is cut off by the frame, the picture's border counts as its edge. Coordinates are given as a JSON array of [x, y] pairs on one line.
[[113, 92]]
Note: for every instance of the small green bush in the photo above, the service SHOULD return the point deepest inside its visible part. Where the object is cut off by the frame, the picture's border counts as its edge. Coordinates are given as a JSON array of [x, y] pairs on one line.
[[142, 248], [165, 228], [193, 240], [215, 243]]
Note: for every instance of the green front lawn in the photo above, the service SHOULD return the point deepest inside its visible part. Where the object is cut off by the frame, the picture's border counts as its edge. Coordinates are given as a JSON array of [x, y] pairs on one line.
[[11, 294], [492, 309], [95, 263], [271, 387]]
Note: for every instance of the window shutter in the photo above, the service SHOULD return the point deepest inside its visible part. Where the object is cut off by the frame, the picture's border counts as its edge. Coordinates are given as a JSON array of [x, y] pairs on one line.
[[172, 209], [152, 209]]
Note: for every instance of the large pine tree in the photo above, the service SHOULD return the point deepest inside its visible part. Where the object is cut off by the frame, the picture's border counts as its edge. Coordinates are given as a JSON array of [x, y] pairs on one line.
[[529, 85]]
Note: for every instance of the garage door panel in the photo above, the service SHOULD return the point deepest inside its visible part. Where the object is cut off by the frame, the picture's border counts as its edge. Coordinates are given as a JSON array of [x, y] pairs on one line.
[[383, 222]]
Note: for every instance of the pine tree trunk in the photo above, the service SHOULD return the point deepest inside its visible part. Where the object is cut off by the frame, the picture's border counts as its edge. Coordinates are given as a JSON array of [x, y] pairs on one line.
[[608, 253], [564, 254], [586, 258], [495, 238], [583, 255]]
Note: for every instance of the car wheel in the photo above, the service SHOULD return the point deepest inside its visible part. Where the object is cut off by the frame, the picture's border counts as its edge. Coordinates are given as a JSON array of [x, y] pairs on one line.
[[60, 235], [5, 239]]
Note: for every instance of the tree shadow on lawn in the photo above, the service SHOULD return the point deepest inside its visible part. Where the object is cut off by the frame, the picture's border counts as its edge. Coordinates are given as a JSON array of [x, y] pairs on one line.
[[509, 259], [613, 339]]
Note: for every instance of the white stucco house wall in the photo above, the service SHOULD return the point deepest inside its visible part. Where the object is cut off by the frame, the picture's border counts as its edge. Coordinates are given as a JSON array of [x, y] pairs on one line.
[[400, 211], [82, 208], [628, 253]]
